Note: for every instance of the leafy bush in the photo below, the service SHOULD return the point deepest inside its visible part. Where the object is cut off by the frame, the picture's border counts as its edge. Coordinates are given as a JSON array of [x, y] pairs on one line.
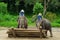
[[8, 20], [3, 8], [7, 17], [51, 16], [9, 23], [38, 8], [57, 21], [55, 24]]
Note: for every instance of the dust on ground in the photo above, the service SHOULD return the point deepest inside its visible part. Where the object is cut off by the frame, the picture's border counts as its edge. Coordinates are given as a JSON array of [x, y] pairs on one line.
[[56, 35]]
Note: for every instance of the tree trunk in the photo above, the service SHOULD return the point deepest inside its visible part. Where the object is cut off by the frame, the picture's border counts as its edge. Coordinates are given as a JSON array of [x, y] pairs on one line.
[[44, 8]]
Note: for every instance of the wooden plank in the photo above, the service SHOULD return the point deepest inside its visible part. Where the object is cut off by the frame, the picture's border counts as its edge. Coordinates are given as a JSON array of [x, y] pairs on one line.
[[25, 32], [20, 29]]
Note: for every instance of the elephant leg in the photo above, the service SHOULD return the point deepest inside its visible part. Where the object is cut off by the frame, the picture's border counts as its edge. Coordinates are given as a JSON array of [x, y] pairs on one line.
[[22, 26], [18, 26], [25, 26], [50, 33], [46, 33]]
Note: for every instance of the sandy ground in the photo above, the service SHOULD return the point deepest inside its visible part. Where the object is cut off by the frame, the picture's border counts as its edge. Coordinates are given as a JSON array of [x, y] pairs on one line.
[[56, 35]]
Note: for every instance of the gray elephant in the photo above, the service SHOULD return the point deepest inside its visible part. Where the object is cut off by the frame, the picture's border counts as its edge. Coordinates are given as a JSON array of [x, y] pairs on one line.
[[46, 25]]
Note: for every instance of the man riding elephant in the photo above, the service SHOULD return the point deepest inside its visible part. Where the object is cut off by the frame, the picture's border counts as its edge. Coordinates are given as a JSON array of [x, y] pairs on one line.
[[43, 24], [22, 21], [38, 23]]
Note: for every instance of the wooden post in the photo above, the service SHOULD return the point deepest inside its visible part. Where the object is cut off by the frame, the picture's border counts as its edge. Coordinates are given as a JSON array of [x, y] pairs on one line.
[[13, 32]]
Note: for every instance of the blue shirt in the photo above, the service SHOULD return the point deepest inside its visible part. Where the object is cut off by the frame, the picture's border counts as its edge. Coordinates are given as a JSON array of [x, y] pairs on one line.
[[39, 17], [21, 13]]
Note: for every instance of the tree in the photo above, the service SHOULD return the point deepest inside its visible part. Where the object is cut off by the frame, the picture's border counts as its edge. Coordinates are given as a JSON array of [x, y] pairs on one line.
[[11, 7], [38, 8], [54, 5], [44, 7]]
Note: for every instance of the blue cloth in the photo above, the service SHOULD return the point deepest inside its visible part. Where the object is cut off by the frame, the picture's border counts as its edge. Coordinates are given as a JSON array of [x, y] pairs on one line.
[[21, 13], [39, 17]]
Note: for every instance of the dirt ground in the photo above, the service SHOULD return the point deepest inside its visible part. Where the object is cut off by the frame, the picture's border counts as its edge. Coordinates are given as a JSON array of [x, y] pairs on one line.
[[56, 35]]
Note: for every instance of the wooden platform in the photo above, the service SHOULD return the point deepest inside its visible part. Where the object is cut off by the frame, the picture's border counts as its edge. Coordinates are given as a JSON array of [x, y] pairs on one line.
[[18, 32]]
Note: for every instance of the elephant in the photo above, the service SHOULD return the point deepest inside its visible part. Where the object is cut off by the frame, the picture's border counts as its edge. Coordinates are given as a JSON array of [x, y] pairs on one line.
[[22, 22], [46, 25]]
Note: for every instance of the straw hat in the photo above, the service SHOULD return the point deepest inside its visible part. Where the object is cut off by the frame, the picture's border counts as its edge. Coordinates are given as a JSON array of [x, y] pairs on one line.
[[40, 14], [22, 10]]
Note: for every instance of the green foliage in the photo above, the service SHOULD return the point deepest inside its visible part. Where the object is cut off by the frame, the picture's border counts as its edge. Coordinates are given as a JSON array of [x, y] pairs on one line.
[[7, 17], [30, 23], [3, 8], [8, 20], [32, 1], [9, 24], [56, 2], [38, 8], [54, 5], [51, 16], [11, 20], [34, 17], [55, 20], [56, 23]]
